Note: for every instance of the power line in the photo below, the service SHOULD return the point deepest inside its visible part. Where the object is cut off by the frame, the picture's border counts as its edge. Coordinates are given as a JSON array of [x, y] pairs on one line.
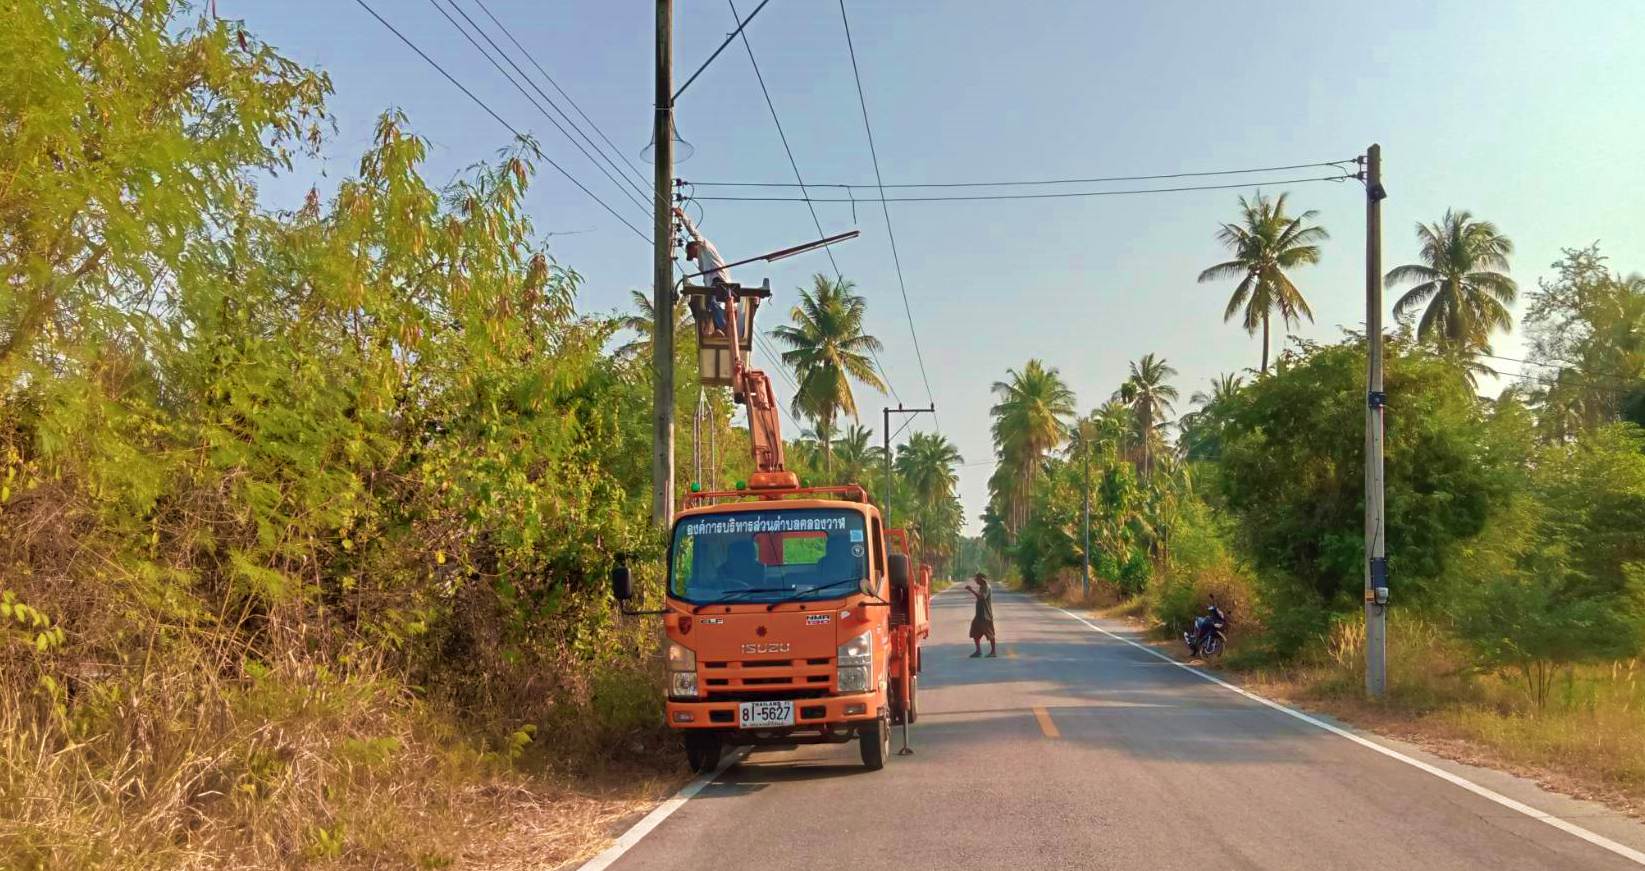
[[1568, 366], [524, 93], [1054, 196], [1031, 182], [500, 120], [879, 181], [744, 23], [584, 115], [794, 164]]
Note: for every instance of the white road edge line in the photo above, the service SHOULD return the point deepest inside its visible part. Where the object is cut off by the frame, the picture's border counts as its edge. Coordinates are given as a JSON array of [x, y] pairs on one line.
[[1594, 838], [628, 839]]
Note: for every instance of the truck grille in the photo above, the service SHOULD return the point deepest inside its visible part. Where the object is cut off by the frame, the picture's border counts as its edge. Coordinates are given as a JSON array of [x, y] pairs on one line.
[[767, 678]]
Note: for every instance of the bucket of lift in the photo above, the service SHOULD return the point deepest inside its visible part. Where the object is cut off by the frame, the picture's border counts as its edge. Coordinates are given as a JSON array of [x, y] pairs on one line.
[[714, 351]]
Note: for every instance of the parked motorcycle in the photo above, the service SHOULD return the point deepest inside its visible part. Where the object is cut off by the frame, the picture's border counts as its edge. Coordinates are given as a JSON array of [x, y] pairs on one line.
[[1209, 634]]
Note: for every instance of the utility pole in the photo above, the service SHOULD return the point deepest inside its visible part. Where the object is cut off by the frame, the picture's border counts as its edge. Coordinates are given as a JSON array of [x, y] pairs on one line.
[[929, 409], [662, 292], [1376, 400], [1085, 452]]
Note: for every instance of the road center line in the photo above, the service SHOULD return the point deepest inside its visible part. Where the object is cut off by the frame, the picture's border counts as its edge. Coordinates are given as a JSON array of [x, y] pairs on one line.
[[1048, 728], [1594, 838]]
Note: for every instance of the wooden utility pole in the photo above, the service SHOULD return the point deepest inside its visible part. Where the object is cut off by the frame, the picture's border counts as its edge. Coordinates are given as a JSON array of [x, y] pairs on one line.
[[1376, 400], [662, 292]]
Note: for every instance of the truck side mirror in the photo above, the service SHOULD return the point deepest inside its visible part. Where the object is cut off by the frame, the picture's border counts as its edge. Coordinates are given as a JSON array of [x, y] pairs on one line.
[[900, 570], [622, 585]]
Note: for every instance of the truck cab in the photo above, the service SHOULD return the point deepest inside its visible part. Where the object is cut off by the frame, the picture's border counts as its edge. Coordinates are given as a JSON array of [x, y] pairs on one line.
[[791, 618]]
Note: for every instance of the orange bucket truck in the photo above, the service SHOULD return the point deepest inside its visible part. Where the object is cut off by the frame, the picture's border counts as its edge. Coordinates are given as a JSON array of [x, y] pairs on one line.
[[793, 615]]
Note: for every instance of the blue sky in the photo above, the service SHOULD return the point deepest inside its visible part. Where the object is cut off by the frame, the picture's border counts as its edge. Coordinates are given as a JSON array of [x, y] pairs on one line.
[[1526, 113]]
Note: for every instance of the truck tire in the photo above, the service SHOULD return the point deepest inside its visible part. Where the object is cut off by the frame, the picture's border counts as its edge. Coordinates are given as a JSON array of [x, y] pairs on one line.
[[875, 743], [702, 751], [913, 712]]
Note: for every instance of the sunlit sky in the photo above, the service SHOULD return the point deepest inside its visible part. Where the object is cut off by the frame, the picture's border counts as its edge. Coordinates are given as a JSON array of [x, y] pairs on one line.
[[1528, 114]]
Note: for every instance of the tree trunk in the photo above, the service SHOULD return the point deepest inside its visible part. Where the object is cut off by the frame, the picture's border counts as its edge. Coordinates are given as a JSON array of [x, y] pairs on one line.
[[1265, 343]]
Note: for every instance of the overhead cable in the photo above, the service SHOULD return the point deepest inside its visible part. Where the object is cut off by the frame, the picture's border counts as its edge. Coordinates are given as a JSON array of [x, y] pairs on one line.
[[499, 118], [1051, 196], [794, 165], [896, 259]]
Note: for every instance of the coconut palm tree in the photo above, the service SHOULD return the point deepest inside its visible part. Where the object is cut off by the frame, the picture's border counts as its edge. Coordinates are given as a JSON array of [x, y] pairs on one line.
[[1150, 399], [858, 456], [1460, 283], [1266, 242], [1202, 428], [1223, 388], [927, 466], [828, 350], [1030, 420], [642, 319]]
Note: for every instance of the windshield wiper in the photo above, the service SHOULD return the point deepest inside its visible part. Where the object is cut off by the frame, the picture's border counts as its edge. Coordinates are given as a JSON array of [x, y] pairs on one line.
[[731, 596], [801, 594]]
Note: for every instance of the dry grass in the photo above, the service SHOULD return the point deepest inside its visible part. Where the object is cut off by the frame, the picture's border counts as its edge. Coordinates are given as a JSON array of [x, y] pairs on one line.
[[293, 765], [1589, 740]]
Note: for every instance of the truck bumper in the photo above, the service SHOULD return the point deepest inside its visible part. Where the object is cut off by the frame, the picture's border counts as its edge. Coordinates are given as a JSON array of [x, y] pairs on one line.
[[808, 713]]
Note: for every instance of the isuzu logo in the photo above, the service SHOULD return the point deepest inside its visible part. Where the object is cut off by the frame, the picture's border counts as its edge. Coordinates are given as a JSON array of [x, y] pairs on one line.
[[773, 647]]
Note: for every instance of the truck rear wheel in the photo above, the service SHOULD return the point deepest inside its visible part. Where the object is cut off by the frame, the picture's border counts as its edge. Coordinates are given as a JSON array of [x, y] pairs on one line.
[[913, 712], [875, 743], [702, 751]]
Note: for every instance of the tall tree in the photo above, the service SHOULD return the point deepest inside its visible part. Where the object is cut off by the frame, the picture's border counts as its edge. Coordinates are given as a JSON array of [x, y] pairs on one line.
[[928, 465], [1030, 420], [1266, 242], [828, 350], [1150, 398], [927, 473], [856, 454], [1461, 285], [643, 320], [1202, 428]]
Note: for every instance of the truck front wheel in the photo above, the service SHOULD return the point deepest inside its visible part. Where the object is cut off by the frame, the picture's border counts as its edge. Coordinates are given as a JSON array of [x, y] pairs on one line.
[[702, 751], [875, 743]]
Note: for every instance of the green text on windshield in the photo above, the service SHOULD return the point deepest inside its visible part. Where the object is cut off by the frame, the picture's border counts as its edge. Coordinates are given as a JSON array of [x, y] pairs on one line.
[[796, 554]]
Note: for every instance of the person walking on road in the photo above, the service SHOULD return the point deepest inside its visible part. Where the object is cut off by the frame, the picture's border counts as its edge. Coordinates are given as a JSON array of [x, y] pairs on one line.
[[711, 265], [982, 624]]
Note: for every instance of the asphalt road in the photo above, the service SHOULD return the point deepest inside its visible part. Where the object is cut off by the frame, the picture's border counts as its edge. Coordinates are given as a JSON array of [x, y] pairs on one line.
[[1076, 750]]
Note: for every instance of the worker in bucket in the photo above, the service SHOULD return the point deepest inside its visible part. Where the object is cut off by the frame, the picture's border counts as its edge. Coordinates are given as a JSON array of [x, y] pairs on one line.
[[712, 266], [982, 624]]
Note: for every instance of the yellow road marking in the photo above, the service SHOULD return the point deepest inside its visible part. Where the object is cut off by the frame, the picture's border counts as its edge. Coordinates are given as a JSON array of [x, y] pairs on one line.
[[1046, 726], [1010, 652]]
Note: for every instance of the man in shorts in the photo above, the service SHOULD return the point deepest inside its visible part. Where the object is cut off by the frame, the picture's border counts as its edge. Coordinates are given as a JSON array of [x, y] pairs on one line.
[[982, 624]]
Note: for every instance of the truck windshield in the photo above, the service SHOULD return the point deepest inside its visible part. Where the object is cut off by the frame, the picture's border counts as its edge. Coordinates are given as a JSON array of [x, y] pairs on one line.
[[766, 556]]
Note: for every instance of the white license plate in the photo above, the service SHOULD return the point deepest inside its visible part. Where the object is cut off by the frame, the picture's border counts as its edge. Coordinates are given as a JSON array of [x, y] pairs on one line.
[[764, 715]]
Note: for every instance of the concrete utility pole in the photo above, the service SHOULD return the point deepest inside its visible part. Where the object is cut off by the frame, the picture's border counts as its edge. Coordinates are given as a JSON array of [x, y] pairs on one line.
[[1376, 562], [1085, 452], [662, 294], [931, 409]]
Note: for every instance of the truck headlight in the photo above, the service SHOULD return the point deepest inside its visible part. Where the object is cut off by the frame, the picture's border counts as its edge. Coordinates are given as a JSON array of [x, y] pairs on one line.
[[858, 651], [682, 671], [854, 678], [682, 684], [681, 658], [854, 673]]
